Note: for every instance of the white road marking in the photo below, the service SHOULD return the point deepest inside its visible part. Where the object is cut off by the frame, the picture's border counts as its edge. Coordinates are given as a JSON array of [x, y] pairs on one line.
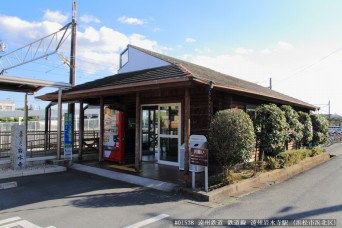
[[27, 224], [9, 220], [148, 221], [13, 222]]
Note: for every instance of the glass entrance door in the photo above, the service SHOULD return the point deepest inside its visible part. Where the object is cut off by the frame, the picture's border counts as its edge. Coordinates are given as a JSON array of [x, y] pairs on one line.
[[169, 133], [149, 133]]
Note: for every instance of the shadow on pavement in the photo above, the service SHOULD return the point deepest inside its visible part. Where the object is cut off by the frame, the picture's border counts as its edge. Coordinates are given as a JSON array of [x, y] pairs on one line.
[[79, 189], [306, 214]]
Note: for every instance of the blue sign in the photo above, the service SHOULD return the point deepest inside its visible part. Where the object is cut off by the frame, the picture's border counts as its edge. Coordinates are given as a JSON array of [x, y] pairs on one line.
[[68, 135]]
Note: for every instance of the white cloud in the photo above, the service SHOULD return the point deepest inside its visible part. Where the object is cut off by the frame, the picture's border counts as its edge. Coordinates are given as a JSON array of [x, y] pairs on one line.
[[22, 32], [301, 72], [55, 16], [156, 30], [142, 41], [280, 47], [234, 65], [89, 18], [131, 20], [266, 51], [202, 50], [98, 50], [284, 45], [190, 40], [243, 51], [90, 34]]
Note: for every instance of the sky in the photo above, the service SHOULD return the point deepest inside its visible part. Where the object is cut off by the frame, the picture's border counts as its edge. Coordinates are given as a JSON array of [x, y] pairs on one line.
[[297, 43]]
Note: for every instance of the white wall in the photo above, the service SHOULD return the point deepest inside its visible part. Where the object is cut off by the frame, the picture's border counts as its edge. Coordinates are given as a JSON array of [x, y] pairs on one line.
[[138, 60]]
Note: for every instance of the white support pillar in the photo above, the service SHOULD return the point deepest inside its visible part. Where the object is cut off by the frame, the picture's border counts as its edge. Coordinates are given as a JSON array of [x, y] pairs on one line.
[[26, 117], [59, 124], [101, 129], [26, 111]]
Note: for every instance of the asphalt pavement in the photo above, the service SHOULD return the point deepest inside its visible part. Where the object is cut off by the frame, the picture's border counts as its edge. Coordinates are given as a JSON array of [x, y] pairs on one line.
[[77, 199]]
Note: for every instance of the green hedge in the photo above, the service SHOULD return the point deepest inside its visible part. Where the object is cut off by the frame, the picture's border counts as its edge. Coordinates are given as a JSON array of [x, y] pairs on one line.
[[320, 127], [270, 128], [291, 157]]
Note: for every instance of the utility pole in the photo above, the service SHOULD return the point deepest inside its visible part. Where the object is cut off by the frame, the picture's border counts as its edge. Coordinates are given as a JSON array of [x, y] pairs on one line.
[[72, 81]]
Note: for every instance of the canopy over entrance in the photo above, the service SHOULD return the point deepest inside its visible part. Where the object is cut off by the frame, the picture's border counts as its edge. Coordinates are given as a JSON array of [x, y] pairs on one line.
[[26, 85], [30, 86]]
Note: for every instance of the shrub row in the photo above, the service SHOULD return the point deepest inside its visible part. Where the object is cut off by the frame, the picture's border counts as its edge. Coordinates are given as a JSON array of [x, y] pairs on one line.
[[276, 127], [233, 136], [292, 157]]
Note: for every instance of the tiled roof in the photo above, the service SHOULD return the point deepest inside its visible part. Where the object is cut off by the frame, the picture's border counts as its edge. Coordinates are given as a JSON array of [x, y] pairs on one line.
[[165, 72], [226, 81], [181, 69]]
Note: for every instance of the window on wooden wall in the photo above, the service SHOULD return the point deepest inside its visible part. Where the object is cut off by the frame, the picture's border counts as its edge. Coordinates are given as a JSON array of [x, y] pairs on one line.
[[250, 110]]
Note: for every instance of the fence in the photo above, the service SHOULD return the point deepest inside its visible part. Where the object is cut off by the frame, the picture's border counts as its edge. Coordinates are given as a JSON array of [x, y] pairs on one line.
[[334, 138], [40, 143], [89, 125]]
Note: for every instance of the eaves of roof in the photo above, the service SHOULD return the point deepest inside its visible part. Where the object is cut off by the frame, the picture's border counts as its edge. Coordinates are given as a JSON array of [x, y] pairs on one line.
[[227, 82], [160, 77], [178, 73]]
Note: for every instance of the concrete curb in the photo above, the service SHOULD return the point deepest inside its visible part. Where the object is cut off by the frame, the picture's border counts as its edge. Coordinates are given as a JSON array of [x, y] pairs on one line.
[[261, 181], [8, 185], [29, 172], [142, 181]]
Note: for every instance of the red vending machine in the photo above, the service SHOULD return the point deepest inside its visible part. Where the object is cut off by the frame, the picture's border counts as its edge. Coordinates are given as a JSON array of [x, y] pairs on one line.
[[113, 138]]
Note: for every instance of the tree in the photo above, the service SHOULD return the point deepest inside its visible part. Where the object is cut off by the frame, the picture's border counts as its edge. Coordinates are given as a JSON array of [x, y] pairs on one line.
[[305, 120], [270, 126], [320, 127], [231, 138], [294, 130]]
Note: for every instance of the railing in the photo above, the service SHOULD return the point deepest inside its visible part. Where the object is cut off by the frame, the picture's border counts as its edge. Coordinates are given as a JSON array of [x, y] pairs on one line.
[[41, 144], [334, 138]]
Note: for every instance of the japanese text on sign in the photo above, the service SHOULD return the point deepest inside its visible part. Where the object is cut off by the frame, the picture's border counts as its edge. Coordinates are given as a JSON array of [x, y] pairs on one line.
[[199, 156], [68, 134], [255, 222]]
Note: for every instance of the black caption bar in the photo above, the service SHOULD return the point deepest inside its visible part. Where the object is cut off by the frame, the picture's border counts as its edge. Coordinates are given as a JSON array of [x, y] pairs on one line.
[[255, 222]]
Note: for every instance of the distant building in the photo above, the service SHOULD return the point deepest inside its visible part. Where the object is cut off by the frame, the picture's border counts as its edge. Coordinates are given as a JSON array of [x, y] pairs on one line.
[[7, 106]]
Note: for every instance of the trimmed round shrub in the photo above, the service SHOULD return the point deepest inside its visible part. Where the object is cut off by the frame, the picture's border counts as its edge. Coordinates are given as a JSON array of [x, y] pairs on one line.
[[270, 124], [320, 127], [305, 120], [231, 138]]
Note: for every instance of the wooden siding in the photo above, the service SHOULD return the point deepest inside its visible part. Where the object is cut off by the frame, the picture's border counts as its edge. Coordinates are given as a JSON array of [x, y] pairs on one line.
[[199, 111]]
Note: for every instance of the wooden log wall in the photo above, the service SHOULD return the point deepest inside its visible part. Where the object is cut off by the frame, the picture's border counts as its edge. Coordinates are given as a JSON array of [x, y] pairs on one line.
[[199, 111]]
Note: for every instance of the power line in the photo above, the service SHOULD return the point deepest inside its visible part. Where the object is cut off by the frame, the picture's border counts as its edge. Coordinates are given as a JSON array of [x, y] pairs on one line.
[[312, 64]]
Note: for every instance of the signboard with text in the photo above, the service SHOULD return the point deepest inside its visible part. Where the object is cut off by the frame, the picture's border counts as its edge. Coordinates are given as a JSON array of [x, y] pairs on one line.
[[18, 147], [199, 156], [68, 135]]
